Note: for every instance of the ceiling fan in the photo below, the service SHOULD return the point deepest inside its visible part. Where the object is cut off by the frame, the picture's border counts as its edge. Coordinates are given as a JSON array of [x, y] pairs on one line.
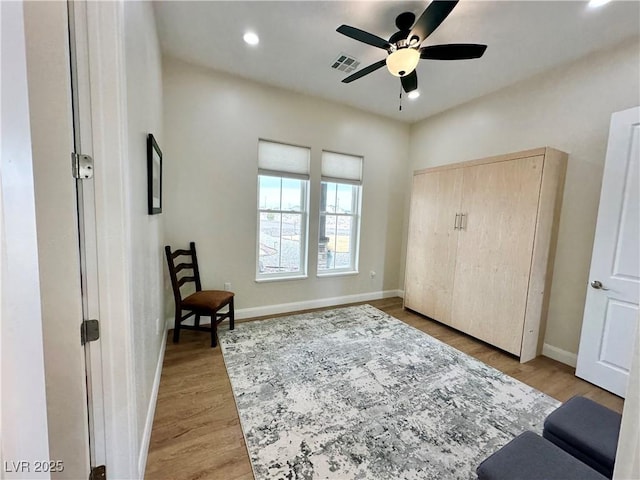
[[403, 47]]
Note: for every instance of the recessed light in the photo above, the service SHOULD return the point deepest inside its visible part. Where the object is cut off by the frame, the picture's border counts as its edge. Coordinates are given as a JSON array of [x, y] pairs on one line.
[[413, 94], [597, 3], [251, 38]]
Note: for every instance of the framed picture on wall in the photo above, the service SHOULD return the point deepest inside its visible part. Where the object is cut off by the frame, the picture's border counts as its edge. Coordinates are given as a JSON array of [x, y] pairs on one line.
[[154, 175]]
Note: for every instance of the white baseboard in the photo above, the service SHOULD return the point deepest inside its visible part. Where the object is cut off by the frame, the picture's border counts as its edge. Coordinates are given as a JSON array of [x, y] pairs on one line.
[[304, 305], [151, 411], [562, 356], [317, 303]]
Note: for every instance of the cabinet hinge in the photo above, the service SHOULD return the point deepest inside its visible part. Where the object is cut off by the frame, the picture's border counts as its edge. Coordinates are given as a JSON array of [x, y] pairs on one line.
[[89, 331], [98, 473], [81, 166]]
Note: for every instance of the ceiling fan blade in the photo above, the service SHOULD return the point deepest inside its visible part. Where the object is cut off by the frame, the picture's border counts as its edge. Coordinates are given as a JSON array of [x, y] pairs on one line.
[[365, 71], [364, 37], [431, 18], [409, 82], [453, 51]]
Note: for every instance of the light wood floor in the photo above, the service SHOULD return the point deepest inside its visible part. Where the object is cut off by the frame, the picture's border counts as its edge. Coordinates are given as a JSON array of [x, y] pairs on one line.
[[196, 431]]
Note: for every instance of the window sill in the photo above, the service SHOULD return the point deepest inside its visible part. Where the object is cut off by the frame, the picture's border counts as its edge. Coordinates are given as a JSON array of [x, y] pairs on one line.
[[280, 279], [338, 274]]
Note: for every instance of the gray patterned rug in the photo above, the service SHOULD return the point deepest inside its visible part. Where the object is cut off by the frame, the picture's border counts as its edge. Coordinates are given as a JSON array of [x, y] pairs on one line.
[[353, 393]]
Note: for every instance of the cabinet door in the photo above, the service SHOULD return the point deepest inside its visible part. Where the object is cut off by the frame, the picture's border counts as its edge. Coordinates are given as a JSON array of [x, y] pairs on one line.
[[432, 242], [500, 203]]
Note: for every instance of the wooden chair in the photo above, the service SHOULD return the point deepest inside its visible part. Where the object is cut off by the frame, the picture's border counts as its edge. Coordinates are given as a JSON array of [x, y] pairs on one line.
[[207, 303]]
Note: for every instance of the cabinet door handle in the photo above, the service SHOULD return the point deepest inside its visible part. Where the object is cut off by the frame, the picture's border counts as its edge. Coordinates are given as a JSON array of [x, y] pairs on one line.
[[463, 221], [455, 222]]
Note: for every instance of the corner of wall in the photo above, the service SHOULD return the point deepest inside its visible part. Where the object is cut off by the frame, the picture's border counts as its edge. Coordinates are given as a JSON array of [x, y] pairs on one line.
[[562, 356]]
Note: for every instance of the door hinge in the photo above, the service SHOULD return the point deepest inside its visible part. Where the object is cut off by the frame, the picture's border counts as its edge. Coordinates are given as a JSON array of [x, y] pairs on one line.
[[81, 166], [89, 331], [98, 473]]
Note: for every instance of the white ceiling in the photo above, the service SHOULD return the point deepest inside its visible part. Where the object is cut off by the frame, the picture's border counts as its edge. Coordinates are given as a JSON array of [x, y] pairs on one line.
[[298, 45]]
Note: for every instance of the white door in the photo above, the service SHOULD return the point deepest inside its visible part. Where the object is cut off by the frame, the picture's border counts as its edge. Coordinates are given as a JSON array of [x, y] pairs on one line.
[[85, 194], [611, 309]]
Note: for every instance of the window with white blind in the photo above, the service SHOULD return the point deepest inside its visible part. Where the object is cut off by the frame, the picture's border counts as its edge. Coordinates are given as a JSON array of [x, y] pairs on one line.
[[283, 185], [340, 200]]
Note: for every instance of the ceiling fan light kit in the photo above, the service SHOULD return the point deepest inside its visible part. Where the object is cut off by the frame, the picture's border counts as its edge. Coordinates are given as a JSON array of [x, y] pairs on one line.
[[403, 61], [403, 47]]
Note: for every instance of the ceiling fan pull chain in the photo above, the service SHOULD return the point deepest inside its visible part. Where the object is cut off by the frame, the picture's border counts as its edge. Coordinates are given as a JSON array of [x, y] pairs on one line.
[[400, 106]]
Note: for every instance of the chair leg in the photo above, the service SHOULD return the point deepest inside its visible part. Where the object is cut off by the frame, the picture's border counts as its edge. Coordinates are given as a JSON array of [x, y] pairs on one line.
[[214, 329], [197, 320], [231, 315], [176, 326]]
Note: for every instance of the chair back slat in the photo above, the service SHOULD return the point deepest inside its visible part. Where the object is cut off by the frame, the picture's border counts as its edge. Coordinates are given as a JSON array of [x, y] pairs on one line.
[[177, 253], [183, 266], [184, 280]]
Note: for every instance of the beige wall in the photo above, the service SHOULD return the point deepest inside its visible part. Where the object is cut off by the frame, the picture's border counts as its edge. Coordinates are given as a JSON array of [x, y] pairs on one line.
[[568, 108], [144, 115], [212, 125]]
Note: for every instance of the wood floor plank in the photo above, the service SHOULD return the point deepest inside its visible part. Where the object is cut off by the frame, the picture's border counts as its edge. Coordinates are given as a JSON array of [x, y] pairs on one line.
[[196, 430]]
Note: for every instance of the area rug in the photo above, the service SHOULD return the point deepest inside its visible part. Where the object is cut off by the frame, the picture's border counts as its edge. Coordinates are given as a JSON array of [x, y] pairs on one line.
[[353, 393]]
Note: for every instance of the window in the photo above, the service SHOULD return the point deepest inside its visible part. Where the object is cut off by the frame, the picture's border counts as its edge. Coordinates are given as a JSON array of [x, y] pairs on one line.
[[283, 179], [340, 195]]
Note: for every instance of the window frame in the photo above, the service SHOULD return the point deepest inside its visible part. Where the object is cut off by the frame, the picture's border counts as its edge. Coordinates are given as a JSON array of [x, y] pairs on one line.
[[303, 212], [356, 216]]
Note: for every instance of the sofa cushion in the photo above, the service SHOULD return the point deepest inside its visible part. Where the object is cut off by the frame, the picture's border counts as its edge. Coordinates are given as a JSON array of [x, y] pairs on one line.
[[531, 457], [586, 430]]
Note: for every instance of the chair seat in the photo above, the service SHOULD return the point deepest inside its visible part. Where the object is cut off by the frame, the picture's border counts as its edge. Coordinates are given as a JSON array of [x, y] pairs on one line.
[[207, 300]]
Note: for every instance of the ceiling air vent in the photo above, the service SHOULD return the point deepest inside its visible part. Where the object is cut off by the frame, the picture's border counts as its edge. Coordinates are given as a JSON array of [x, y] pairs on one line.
[[345, 63]]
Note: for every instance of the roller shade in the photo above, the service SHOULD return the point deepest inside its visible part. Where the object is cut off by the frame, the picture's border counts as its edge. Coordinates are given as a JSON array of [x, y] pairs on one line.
[[339, 167], [280, 159]]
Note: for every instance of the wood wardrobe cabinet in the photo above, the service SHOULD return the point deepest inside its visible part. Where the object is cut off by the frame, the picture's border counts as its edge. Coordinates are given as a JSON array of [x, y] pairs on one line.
[[481, 246]]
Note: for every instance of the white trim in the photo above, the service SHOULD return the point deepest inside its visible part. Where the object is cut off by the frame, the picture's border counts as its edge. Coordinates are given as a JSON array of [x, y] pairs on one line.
[[318, 303], [151, 411], [105, 44], [304, 234], [627, 463], [25, 435], [280, 279], [262, 311], [562, 356], [336, 273]]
